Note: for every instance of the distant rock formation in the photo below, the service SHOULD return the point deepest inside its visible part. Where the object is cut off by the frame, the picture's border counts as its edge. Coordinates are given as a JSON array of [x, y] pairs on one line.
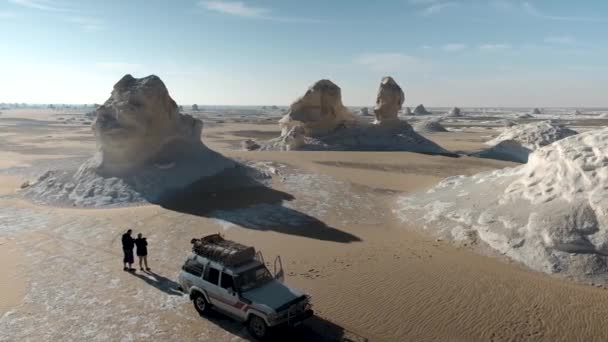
[[195, 107], [535, 111], [320, 111], [429, 126], [454, 112], [146, 150], [577, 112], [420, 110], [407, 111], [525, 116], [517, 142], [364, 111], [319, 122], [389, 100]]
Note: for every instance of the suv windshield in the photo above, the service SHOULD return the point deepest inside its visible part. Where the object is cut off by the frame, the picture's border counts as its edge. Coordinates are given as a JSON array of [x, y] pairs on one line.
[[253, 278]]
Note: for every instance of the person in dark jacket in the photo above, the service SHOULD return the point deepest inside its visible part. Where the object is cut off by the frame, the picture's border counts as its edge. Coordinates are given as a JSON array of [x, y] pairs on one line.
[[127, 247], [142, 251]]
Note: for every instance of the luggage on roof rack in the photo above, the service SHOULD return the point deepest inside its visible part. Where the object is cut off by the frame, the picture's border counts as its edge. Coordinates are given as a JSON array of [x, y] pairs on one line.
[[215, 247]]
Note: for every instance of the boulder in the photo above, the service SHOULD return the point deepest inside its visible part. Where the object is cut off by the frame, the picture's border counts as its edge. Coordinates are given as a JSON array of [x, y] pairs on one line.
[[139, 123], [429, 126], [250, 145], [454, 112], [320, 111], [420, 110], [389, 100]]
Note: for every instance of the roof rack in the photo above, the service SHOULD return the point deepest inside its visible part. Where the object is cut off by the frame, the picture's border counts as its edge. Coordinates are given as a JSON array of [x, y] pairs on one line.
[[215, 247]]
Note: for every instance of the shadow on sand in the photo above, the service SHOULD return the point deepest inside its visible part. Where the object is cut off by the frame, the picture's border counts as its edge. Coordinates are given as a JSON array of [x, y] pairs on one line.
[[251, 205], [164, 284], [313, 329]]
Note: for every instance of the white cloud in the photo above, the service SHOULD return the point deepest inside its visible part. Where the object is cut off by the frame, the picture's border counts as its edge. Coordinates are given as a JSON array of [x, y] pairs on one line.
[[241, 9], [390, 62], [236, 8], [533, 11], [493, 47], [560, 40], [43, 5], [88, 23], [437, 7], [454, 47], [426, 47]]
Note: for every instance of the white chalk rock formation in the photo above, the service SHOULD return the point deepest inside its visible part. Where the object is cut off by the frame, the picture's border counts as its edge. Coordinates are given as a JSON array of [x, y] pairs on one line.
[[320, 111], [429, 126], [319, 122], [420, 110], [517, 142], [389, 100], [364, 111], [550, 214], [454, 112], [577, 112], [407, 111], [140, 122], [535, 111], [146, 151], [525, 116]]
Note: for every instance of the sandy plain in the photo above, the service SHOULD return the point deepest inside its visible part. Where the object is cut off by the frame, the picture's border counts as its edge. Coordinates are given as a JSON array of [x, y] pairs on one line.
[[371, 277]]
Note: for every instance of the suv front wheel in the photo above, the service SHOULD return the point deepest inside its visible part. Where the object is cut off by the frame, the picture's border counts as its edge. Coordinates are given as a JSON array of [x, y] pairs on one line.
[[200, 303], [257, 327]]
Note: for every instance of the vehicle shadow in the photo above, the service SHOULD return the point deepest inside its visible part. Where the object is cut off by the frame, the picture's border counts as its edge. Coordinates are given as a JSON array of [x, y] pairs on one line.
[[164, 284], [314, 329], [251, 205]]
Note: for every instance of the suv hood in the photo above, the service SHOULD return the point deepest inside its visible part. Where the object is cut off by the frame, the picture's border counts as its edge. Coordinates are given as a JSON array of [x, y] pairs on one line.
[[274, 294]]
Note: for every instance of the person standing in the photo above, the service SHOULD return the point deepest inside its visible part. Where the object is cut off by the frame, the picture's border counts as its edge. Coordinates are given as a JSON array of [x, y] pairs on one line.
[[142, 251], [127, 247]]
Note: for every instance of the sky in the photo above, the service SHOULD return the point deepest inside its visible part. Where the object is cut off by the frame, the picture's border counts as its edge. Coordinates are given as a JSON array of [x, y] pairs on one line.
[[536, 53]]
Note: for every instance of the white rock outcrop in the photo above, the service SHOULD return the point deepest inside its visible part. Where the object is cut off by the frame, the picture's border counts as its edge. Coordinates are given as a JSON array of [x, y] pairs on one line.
[[147, 150], [429, 126], [319, 122], [407, 111], [550, 214], [515, 143], [389, 100], [320, 111], [454, 112], [364, 111], [535, 111]]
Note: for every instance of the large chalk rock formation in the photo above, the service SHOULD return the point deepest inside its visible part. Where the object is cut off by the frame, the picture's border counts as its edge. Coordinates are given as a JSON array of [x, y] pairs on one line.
[[429, 126], [389, 100], [517, 142], [319, 121], [550, 214], [320, 111], [147, 150], [140, 122]]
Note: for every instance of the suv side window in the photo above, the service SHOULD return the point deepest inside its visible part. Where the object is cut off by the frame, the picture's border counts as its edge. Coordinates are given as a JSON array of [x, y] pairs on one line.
[[212, 275], [227, 281], [193, 267]]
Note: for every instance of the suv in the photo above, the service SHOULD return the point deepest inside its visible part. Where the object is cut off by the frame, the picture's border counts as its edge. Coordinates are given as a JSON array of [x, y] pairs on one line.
[[232, 278]]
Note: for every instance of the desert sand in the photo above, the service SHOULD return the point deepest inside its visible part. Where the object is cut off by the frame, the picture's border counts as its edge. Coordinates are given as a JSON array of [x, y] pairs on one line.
[[330, 215]]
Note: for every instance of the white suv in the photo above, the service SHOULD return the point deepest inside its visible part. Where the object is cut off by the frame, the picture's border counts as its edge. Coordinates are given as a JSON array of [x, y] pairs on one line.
[[232, 279]]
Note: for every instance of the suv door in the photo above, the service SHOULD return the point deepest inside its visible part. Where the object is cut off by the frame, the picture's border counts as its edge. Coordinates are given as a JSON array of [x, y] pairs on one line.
[[229, 294], [217, 295]]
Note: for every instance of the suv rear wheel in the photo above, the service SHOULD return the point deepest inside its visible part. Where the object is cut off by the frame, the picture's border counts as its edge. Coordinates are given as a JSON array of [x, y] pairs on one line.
[[200, 303], [257, 327]]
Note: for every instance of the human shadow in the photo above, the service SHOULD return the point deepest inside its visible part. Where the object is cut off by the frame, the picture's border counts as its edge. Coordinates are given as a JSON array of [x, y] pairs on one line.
[[160, 282], [230, 197]]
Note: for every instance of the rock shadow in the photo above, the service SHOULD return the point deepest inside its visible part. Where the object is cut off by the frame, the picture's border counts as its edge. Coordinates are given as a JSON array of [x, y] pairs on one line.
[[239, 200]]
